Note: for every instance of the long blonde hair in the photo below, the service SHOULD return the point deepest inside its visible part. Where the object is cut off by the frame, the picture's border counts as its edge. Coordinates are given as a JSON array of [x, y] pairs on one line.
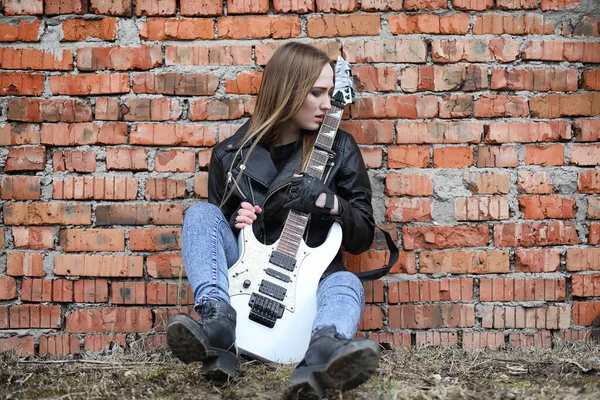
[[287, 80]]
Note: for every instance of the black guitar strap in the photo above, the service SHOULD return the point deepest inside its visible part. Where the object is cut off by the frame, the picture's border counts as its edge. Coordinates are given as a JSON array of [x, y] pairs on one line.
[[378, 273]]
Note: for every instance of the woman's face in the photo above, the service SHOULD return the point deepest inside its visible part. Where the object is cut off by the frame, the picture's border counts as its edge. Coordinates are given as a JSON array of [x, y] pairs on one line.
[[316, 103]]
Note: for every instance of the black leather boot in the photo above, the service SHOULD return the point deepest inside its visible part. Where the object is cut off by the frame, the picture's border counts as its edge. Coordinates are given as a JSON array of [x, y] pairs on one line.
[[210, 340], [332, 362]]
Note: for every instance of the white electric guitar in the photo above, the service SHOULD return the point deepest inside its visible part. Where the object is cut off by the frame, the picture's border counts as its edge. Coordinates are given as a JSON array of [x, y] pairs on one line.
[[273, 288]]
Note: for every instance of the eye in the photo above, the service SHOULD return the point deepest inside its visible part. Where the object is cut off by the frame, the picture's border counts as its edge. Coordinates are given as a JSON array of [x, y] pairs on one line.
[[316, 94]]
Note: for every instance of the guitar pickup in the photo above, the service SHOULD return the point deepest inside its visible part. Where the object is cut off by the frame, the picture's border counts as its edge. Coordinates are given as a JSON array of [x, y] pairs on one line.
[[278, 275], [283, 261], [264, 311], [273, 290]]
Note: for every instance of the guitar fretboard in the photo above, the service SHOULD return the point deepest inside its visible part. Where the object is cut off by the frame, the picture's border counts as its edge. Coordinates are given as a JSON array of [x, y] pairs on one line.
[[296, 222]]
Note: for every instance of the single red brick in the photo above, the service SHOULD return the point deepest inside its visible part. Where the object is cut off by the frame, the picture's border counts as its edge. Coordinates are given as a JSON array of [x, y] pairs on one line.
[[34, 316], [537, 79], [422, 316], [121, 319], [55, 7], [38, 290], [539, 182], [25, 159], [74, 161], [175, 83], [585, 313], [375, 259], [408, 156], [503, 23], [47, 214], [558, 4], [409, 106], [20, 188], [488, 183], [372, 318], [541, 339], [58, 345], [246, 82], [8, 288], [155, 239], [460, 262], [89, 84], [118, 58], [343, 25], [438, 132], [483, 340], [372, 156], [559, 105], [408, 209], [97, 343], [165, 188], [21, 84], [97, 265], [18, 134], [585, 155], [452, 157], [157, 109], [92, 240], [258, 27], [219, 109], [537, 260], [385, 50], [33, 238], [417, 5], [589, 181], [408, 185], [35, 59], [155, 7], [108, 108], [49, 110], [381, 79], [528, 234], [98, 188], [23, 346], [79, 29], [175, 161], [128, 292], [547, 207], [20, 7], [587, 130], [457, 106], [62, 290], [120, 158], [552, 155], [90, 291], [165, 266], [139, 214], [114, 7], [215, 55], [20, 263], [497, 156], [481, 208], [586, 259], [586, 285], [428, 237], [23, 31]]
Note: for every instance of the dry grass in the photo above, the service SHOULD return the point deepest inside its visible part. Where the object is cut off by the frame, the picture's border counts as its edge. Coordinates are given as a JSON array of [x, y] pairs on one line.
[[569, 371]]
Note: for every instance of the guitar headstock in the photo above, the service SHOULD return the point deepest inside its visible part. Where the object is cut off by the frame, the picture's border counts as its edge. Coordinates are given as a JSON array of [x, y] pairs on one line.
[[343, 92]]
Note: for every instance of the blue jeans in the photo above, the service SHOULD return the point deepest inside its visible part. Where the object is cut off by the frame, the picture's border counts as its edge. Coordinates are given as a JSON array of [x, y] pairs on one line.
[[209, 249]]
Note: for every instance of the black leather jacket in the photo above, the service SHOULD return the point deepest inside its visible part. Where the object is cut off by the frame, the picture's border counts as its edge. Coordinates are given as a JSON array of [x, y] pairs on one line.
[[263, 185]]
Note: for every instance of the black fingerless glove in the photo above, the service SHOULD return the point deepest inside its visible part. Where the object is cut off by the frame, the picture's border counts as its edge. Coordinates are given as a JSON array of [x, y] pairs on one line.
[[303, 195]]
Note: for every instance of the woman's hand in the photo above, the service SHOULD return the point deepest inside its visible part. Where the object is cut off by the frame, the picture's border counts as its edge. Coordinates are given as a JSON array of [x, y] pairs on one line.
[[246, 215]]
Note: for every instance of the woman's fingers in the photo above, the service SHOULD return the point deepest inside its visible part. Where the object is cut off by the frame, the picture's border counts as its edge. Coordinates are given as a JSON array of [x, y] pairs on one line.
[[246, 215]]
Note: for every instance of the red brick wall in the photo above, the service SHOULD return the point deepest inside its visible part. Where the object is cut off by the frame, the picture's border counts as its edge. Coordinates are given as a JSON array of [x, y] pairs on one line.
[[478, 119]]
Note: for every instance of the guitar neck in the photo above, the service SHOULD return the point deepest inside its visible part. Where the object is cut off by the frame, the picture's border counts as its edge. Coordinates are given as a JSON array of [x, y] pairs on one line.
[[296, 222]]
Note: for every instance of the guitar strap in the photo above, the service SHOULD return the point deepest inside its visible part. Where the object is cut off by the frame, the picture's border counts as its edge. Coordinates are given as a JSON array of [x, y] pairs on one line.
[[378, 273]]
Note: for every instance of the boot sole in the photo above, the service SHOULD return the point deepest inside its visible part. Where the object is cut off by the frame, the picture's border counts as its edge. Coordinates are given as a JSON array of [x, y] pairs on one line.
[[190, 344], [346, 371]]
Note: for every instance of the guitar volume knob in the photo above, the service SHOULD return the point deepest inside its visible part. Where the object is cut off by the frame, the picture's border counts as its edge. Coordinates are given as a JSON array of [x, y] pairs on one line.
[[246, 284]]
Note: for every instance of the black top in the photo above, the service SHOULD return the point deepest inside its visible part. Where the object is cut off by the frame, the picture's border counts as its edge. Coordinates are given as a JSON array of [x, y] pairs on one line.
[[280, 154]]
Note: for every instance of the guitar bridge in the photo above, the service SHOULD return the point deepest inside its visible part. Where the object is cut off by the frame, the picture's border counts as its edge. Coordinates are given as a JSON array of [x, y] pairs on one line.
[[265, 311]]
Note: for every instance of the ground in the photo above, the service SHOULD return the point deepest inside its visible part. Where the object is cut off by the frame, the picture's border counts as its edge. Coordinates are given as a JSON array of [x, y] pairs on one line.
[[569, 371]]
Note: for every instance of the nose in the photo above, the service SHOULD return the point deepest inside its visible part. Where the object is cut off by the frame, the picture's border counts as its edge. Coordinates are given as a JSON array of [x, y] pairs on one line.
[[326, 104]]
